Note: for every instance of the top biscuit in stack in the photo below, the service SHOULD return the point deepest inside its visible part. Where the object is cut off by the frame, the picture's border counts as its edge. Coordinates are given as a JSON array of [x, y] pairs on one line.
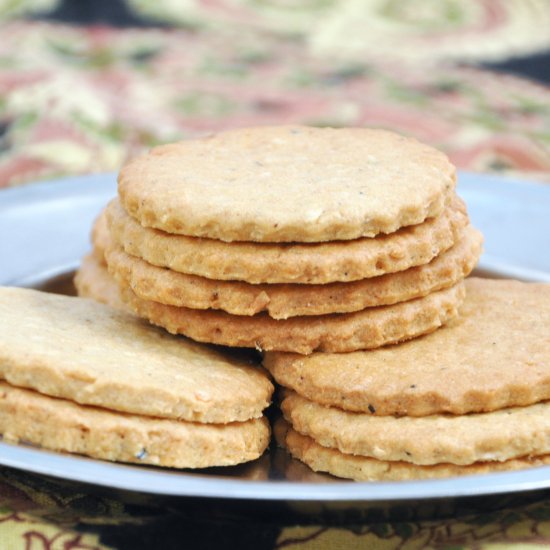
[[292, 238]]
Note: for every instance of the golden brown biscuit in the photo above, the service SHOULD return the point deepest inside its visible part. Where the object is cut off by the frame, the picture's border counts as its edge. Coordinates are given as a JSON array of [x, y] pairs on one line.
[[339, 332], [287, 184], [89, 353], [360, 468], [496, 354], [62, 425], [291, 263], [282, 301], [456, 439]]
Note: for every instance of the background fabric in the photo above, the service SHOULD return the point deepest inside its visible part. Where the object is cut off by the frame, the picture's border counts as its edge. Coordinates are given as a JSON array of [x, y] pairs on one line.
[[77, 98]]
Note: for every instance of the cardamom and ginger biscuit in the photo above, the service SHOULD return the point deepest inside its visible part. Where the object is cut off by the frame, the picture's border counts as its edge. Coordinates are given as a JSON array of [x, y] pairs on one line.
[[339, 332], [360, 468], [320, 263], [456, 439], [282, 301], [111, 359], [495, 354], [62, 425], [92, 280], [287, 184]]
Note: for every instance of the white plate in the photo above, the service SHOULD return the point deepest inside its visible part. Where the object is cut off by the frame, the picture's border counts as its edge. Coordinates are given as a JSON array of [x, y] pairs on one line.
[[514, 217], [44, 230]]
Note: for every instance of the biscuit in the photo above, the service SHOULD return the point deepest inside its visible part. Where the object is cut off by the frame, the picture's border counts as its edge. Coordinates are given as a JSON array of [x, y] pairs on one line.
[[495, 354], [255, 263], [360, 468], [282, 301], [464, 439], [287, 184], [62, 425], [92, 280], [339, 332], [95, 355]]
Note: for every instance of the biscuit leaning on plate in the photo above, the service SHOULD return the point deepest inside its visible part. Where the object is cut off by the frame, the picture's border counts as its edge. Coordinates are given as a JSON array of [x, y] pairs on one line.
[[114, 360], [81, 355]]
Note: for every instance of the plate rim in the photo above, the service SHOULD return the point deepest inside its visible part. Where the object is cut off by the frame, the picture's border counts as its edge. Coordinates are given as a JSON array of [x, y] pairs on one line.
[[141, 479]]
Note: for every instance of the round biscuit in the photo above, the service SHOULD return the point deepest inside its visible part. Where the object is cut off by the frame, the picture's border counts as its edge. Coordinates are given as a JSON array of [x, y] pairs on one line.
[[62, 425], [111, 359], [287, 184], [495, 354]]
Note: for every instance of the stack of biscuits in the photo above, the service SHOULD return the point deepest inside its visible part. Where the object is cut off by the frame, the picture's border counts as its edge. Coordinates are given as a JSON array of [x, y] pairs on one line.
[[320, 247], [469, 398], [85, 378], [288, 238]]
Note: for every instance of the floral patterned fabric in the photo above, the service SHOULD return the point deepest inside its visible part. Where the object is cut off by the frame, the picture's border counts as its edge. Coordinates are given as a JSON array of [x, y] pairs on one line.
[[77, 99], [85, 85], [42, 514]]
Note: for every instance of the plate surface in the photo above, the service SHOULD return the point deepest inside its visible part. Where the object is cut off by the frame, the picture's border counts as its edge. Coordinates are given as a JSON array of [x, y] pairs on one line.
[[44, 231], [514, 218]]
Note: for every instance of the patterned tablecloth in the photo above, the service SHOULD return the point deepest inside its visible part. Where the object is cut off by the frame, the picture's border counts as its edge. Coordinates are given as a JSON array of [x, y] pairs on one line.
[[84, 85]]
